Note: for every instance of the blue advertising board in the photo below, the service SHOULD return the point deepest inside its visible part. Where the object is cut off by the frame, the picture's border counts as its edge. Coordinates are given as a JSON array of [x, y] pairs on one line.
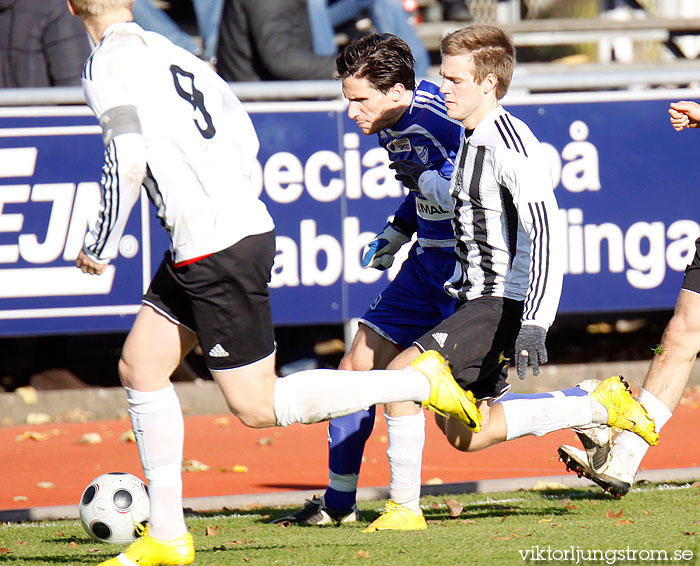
[[625, 182]]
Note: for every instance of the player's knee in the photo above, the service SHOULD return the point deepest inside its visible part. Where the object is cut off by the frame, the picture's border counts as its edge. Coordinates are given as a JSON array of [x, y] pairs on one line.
[[682, 332], [126, 372], [253, 415]]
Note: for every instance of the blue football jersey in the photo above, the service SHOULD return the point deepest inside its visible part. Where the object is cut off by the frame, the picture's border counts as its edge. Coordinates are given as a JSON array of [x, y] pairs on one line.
[[425, 134]]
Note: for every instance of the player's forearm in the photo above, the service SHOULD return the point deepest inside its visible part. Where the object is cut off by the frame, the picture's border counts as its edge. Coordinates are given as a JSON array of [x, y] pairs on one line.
[[122, 175], [433, 185]]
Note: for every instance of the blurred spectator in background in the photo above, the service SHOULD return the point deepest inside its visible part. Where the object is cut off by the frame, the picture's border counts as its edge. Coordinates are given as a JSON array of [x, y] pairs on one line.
[[41, 44], [388, 16], [207, 13], [456, 10], [269, 40]]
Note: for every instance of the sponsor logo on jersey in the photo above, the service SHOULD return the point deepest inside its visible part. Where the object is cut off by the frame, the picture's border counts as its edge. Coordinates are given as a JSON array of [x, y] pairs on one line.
[[376, 302], [399, 145], [440, 338], [422, 153], [218, 351], [430, 210]]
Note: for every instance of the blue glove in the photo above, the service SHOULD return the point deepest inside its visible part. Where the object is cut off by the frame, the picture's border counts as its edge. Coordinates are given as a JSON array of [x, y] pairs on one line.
[[529, 347], [379, 253], [408, 172]]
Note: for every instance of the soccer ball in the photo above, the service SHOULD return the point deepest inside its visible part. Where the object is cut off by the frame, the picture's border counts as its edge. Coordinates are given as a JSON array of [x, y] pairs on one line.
[[112, 505]]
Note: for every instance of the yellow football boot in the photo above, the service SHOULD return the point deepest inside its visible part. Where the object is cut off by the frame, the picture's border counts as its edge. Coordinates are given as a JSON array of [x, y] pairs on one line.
[[396, 517], [624, 412], [447, 398], [149, 551]]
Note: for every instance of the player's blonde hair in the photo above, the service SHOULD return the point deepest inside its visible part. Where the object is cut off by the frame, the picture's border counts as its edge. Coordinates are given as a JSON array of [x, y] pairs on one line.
[[491, 49], [89, 8]]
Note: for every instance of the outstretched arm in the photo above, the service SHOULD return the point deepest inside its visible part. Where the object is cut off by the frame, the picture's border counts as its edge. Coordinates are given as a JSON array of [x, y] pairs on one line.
[[684, 114]]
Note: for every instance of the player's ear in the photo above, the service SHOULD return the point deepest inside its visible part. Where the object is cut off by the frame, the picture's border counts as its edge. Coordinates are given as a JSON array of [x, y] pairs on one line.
[[397, 91], [71, 8], [490, 83]]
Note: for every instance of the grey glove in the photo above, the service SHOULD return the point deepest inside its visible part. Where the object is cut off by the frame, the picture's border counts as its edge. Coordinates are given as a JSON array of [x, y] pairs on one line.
[[379, 253], [408, 173], [529, 346]]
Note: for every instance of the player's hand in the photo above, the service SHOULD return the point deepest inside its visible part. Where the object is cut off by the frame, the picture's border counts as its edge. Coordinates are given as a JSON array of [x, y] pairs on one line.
[[87, 265], [530, 347], [379, 253], [408, 172], [684, 114]]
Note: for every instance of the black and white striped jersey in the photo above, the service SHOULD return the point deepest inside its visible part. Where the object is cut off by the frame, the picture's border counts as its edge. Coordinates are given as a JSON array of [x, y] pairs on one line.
[[193, 146], [505, 218]]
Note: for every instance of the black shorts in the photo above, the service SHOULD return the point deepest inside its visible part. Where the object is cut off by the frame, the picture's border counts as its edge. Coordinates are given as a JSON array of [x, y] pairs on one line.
[[691, 281], [478, 341], [224, 299]]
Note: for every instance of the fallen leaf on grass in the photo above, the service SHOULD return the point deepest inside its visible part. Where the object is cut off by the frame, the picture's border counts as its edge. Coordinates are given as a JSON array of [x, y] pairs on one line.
[[194, 466], [72, 544], [689, 533], [454, 506], [500, 538], [32, 435], [20, 542], [362, 554], [4, 550], [435, 505], [624, 522], [127, 436], [543, 485], [695, 484], [545, 520], [612, 515], [34, 419], [75, 415], [211, 531], [468, 521], [28, 394]]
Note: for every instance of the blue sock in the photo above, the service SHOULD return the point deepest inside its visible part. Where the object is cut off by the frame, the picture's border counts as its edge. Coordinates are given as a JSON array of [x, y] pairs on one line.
[[571, 392], [346, 442]]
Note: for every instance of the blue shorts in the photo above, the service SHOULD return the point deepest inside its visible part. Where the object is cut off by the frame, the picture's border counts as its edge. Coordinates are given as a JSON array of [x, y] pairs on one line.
[[415, 301]]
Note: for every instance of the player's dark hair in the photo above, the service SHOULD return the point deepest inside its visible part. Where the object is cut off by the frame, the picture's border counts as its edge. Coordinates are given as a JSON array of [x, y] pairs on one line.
[[491, 49], [383, 59]]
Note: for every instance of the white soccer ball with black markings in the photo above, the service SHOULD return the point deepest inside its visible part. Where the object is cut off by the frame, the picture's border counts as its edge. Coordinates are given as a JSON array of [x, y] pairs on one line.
[[112, 505]]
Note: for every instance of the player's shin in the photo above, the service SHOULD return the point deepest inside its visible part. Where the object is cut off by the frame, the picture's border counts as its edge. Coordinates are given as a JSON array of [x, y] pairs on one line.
[[317, 395], [631, 448], [158, 425], [346, 442], [540, 416], [405, 453]]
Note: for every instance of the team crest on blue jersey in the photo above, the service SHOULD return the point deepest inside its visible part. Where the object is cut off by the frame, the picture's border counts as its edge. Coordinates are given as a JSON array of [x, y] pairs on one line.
[[422, 153], [400, 145]]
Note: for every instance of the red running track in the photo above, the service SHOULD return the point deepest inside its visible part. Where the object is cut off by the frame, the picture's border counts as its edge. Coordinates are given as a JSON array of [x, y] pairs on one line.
[[293, 458]]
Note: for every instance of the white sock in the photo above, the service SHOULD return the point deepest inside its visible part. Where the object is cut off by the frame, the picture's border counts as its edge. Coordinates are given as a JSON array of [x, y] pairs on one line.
[[630, 447], [159, 428], [321, 394], [405, 453], [541, 416]]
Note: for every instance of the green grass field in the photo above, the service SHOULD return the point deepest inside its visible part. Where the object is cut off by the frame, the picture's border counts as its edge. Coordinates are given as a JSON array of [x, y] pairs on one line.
[[655, 524]]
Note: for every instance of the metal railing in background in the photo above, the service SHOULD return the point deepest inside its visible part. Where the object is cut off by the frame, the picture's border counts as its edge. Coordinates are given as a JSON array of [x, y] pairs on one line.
[[528, 78]]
